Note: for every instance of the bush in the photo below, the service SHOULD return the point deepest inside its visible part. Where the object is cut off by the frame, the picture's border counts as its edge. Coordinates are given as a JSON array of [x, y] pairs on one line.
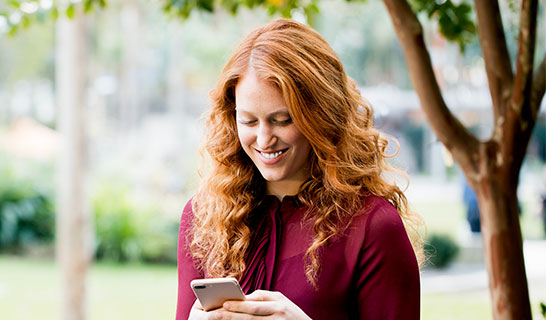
[[27, 213], [127, 232], [440, 251], [125, 229]]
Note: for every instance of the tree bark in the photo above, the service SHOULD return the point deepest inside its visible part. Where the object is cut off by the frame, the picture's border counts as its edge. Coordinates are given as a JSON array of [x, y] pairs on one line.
[[130, 90], [495, 54], [501, 236], [520, 121], [73, 228]]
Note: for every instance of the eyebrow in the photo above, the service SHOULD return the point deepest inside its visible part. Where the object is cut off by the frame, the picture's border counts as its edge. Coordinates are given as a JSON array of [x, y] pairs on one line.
[[273, 114]]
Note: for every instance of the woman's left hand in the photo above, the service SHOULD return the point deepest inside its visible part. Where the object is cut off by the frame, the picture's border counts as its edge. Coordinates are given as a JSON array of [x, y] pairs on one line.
[[262, 304]]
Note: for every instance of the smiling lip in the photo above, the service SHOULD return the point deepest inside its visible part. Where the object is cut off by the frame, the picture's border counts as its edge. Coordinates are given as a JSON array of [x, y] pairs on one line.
[[271, 158]]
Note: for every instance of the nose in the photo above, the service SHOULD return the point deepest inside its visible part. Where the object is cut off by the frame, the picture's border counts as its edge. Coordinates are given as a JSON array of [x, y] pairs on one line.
[[265, 137]]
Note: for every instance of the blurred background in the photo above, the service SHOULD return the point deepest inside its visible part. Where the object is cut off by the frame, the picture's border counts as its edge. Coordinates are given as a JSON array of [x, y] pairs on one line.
[[147, 83]]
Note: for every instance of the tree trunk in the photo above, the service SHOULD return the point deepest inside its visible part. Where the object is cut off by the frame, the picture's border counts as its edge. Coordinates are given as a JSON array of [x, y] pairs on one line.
[[72, 219], [504, 254], [130, 90], [501, 237]]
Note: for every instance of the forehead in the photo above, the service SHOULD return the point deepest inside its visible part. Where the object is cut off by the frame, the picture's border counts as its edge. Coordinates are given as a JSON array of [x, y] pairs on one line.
[[255, 94]]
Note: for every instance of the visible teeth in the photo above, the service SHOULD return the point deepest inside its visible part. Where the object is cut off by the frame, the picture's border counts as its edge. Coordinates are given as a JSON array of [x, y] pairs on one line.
[[271, 155]]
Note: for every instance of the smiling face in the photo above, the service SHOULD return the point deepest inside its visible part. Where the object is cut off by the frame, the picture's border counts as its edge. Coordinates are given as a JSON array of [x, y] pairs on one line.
[[268, 136]]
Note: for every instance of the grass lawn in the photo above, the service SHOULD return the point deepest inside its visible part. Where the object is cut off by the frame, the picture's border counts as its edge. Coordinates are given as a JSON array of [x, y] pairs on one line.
[[30, 289], [447, 306], [442, 218]]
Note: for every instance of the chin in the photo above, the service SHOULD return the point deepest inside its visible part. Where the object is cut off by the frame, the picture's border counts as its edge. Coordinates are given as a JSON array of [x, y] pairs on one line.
[[271, 177]]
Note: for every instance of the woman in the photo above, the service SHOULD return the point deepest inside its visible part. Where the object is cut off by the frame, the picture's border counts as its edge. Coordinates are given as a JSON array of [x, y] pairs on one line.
[[294, 203]]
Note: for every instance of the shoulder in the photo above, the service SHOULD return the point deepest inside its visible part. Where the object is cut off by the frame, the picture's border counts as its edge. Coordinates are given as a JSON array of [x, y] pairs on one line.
[[377, 224], [186, 218], [185, 230], [375, 220], [376, 211], [384, 228], [188, 208], [382, 214]]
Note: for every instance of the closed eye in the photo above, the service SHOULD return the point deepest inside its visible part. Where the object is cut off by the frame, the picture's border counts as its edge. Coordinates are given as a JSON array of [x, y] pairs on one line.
[[282, 122], [246, 122]]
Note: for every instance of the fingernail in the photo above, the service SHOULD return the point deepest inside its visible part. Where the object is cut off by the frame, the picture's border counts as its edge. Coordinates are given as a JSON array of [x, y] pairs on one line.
[[227, 305]]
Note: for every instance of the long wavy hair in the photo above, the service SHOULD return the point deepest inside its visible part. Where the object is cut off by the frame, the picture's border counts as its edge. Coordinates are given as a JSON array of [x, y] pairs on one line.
[[347, 161]]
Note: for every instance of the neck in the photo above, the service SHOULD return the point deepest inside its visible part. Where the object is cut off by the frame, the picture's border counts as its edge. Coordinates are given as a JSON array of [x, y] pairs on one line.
[[280, 189]]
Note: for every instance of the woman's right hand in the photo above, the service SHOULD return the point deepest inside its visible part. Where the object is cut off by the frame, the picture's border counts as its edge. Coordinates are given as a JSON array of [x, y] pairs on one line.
[[198, 313], [259, 304]]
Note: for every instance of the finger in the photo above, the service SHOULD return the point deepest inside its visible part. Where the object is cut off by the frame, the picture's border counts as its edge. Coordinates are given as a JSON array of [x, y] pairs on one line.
[[257, 308], [264, 295], [200, 314], [230, 315], [197, 305]]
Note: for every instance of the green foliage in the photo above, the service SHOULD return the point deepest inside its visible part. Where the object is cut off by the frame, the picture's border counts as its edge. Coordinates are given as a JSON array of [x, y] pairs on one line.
[[20, 14], [286, 8], [26, 213], [127, 232], [455, 20], [27, 57], [543, 309], [440, 251]]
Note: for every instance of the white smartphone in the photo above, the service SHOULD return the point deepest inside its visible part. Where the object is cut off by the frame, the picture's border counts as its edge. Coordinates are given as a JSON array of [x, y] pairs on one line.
[[212, 293]]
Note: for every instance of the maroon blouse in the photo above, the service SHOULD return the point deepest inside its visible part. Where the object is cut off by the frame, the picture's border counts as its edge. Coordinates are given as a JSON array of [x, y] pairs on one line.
[[369, 272]]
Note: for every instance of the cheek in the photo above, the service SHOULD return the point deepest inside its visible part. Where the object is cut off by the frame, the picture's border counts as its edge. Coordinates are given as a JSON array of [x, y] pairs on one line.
[[296, 138], [245, 136]]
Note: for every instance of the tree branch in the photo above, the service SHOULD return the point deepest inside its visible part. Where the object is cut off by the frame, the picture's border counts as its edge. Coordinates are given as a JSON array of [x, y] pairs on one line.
[[495, 54], [462, 144], [520, 119], [539, 87]]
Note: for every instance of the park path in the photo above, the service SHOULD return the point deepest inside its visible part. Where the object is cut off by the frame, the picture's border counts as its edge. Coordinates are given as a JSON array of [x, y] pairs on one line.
[[464, 277]]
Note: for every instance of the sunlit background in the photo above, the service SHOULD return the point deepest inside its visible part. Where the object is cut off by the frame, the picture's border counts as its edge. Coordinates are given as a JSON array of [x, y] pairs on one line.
[[148, 80]]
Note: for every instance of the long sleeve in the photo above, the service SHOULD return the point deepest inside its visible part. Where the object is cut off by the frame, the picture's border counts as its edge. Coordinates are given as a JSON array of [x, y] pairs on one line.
[[186, 268], [388, 283]]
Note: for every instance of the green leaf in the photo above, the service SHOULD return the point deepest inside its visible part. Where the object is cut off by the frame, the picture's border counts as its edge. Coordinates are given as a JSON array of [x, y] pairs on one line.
[[271, 9], [25, 21], [14, 3], [454, 20], [313, 8], [233, 8], [206, 5], [54, 12], [88, 6], [12, 30], [71, 11]]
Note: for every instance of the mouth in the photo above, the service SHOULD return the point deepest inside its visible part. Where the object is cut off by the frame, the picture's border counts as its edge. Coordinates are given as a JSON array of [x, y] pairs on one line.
[[272, 155]]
